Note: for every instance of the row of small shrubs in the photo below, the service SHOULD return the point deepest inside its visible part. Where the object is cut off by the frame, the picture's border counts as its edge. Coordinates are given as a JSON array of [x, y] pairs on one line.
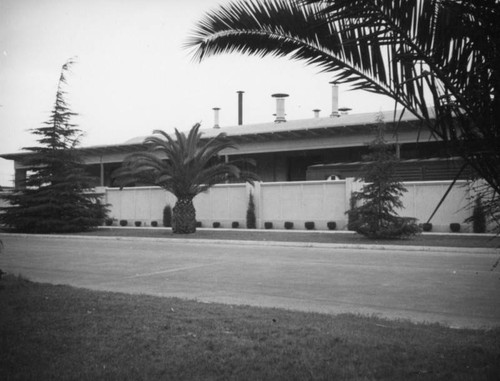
[[109, 222], [454, 227], [309, 225]]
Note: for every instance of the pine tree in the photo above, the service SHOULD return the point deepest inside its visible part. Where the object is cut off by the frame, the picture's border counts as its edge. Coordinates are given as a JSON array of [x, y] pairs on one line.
[[376, 216], [56, 195]]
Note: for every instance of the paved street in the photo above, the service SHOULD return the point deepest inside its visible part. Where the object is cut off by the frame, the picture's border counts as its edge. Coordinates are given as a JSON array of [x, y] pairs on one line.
[[457, 289]]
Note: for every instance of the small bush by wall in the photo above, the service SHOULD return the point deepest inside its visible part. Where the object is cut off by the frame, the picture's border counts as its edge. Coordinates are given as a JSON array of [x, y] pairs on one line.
[[123, 222], [154, 223], [268, 225], [478, 217], [167, 216], [108, 221], [235, 225], [427, 227], [309, 225], [288, 225], [251, 218], [198, 224], [216, 225], [331, 225], [137, 223], [455, 227]]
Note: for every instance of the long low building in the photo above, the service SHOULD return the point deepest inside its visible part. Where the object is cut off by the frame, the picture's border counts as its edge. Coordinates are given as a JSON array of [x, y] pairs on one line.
[[298, 150]]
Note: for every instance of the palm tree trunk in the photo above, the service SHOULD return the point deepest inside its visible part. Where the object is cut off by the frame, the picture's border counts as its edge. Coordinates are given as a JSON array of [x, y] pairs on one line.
[[184, 217]]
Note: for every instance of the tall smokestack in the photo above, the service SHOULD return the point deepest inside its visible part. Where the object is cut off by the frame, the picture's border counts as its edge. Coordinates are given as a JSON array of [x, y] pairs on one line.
[[335, 99], [240, 107], [216, 117], [316, 112], [280, 107]]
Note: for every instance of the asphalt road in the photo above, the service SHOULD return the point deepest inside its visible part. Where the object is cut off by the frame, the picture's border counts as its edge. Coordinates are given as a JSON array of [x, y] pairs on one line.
[[458, 289]]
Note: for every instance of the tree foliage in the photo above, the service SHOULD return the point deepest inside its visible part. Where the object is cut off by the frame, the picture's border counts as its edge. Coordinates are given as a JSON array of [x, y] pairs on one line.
[[445, 51], [184, 166], [55, 196], [380, 197]]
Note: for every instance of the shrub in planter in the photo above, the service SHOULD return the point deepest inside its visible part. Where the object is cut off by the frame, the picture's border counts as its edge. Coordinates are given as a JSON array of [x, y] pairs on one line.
[[108, 221], [427, 227], [268, 225], [216, 225], [235, 225], [331, 225], [154, 223], [198, 224], [288, 225], [455, 227], [123, 222], [167, 216], [137, 223], [309, 225]]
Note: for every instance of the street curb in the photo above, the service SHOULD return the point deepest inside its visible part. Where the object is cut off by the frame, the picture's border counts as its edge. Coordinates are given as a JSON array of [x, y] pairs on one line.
[[404, 248]]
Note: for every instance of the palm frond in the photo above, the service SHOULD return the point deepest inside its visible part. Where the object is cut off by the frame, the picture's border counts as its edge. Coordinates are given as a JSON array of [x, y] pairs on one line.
[[447, 50], [183, 165]]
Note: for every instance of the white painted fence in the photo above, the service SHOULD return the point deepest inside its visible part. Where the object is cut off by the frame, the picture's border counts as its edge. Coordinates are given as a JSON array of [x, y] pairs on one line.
[[297, 202]]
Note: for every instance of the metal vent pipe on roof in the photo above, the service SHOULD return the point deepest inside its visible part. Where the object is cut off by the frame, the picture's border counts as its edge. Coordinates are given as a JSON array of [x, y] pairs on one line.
[[316, 112], [240, 107], [216, 117], [335, 100], [280, 107]]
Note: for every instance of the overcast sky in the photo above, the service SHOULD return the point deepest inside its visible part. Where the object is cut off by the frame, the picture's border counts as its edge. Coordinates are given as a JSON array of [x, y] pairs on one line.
[[133, 74]]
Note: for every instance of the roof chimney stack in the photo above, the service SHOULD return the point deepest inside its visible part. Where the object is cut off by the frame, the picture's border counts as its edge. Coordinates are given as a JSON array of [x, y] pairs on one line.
[[316, 112], [240, 107], [335, 100], [280, 107], [216, 117]]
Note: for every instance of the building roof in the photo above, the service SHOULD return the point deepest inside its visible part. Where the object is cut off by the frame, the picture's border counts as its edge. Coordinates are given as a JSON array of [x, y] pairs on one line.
[[294, 129], [301, 127]]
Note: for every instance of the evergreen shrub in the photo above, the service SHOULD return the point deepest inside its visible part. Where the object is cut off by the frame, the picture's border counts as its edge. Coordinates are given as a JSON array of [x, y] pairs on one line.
[[123, 222], [235, 225], [427, 227], [167, 216], [455, 227], [268, 225], [154, 224], [216, 224], [288, 225], [380, 197], [478, 217], [309, 225], [137, 223], [108, 221], [198, 224], [331, 225], [251, 218]]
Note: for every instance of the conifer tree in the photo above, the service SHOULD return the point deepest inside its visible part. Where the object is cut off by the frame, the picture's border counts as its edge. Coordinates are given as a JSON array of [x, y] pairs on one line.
[[376, 216], [56, 195]]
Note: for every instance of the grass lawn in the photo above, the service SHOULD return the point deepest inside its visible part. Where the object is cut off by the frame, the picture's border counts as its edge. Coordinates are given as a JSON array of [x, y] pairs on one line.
[[451, 240], [52, 332]]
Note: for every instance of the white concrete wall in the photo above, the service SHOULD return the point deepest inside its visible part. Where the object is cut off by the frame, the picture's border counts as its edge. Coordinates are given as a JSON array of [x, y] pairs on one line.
[[423, 197], [297, 202]]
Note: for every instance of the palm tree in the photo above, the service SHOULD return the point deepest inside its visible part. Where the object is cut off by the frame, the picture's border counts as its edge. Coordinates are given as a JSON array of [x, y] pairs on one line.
[[440, 54], [184, 166]]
